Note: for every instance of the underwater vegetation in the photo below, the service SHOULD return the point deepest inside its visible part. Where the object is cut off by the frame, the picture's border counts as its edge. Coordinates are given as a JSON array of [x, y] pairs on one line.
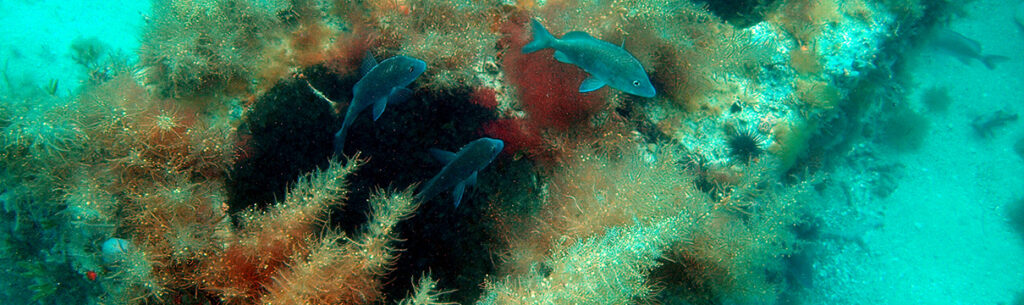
[[207, 172]]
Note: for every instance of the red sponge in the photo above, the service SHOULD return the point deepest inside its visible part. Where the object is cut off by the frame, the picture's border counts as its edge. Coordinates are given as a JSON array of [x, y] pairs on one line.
[[548, 92]]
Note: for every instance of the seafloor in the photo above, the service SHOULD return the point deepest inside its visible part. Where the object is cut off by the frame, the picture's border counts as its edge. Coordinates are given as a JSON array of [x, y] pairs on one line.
[[796, 152]]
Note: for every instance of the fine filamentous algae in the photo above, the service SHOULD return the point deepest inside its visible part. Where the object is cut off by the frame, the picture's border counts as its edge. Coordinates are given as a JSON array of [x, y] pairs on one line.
[[517, 152]]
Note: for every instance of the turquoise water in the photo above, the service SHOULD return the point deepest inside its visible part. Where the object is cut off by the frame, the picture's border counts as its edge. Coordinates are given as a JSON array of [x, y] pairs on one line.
[[122, 179]]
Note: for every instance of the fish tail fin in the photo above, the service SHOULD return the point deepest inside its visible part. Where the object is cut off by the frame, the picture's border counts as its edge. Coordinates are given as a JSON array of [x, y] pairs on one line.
[[428, 190], [990, 61], [541, 38], [339, 137], [339, 140]]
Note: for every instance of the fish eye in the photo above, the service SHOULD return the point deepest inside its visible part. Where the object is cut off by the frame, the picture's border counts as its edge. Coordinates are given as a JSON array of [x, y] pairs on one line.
[[411, 68], [636, 83]]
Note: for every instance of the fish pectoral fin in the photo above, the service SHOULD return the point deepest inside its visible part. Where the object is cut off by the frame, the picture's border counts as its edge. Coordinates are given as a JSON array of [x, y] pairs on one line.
[[471, 181], [378, 108], [368, 63], [576, 35], [561, 57], [457, 192], [442, 155], [399, 95], [591, 84]]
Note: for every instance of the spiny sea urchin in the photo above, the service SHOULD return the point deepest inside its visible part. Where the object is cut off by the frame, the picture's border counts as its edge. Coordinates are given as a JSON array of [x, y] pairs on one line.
[[745, 144]]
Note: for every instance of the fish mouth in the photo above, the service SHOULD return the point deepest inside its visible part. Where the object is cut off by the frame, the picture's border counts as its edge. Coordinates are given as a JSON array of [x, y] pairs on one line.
[[419, 66], [645, 93]]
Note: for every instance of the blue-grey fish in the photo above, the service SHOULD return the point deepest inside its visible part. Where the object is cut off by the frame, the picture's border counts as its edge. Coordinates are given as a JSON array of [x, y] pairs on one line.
[[382, 84], [1018, 15], [461, 168], [964, 49], [607, 64]]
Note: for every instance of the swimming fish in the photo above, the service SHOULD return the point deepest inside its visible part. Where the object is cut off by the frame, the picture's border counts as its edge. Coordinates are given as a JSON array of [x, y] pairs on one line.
[[1018, 15], [607, 64], [964, 48], [382, 84], [461, 168]]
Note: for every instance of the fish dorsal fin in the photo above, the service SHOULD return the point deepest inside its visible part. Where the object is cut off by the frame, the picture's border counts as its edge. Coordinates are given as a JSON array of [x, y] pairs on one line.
[[457, 192], [368, 63], [591, 84], [442, 155], [576, 35]]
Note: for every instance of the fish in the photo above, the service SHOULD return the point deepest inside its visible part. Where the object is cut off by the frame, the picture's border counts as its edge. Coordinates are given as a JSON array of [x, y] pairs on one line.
[[460, 168], [382, 84], [964, 48], [1018, 15], [607, 64]]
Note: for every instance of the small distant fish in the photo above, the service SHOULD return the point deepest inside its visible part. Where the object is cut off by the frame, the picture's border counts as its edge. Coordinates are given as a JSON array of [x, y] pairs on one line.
[[607, 64], [461, 168], [382, 84], [964, 49], [985, 126], [1019, 15]]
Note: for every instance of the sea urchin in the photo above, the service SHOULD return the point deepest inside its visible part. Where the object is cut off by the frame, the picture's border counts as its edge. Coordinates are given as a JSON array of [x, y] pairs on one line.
[[745, 144]]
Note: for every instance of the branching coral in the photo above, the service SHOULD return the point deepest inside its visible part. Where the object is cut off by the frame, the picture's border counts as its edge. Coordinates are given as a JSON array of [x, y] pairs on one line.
[[425, 293], [607, 269], [349, 271], [268, 240]]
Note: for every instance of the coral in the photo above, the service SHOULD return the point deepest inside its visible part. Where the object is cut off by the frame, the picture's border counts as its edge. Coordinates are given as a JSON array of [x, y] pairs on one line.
[[425, 293], [269, 239], [790, 142], [816, 96], [687, 197], [349, 272], [47, 130], [733, 246], [193, 48], [690, 62], [806, 19], [607, 269], [423, 30], [805, 59]]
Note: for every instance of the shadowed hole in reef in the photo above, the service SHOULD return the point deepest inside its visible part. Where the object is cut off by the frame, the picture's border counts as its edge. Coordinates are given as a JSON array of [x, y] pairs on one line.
[[739, 13], [438, 238], [286, 134], [290, 131]]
